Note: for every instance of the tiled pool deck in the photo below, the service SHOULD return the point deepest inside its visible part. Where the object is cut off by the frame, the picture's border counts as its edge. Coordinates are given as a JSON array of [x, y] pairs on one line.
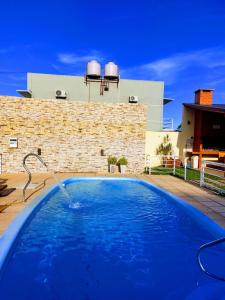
[[209, 203]]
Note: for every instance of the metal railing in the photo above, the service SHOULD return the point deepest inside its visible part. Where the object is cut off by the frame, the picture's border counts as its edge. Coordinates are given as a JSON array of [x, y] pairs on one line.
[[165, 164], [211, 175], [203, 268], [168, 124], [28, 171]]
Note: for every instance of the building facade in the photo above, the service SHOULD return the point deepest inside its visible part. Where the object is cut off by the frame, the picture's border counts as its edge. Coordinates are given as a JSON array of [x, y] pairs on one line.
[[149, 93], [205, 122]]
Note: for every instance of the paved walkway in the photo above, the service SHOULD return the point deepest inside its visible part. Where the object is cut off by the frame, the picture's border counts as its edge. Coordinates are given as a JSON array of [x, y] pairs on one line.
[[209, 203]]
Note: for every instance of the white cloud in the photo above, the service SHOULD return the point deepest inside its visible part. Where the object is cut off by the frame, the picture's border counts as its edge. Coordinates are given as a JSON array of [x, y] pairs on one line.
[[74, 58], [170, 69]]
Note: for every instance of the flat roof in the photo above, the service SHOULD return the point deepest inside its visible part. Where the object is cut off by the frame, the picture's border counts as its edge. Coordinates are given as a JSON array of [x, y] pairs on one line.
[[25, 93], [82, 76], [167, 100], [217, 108]]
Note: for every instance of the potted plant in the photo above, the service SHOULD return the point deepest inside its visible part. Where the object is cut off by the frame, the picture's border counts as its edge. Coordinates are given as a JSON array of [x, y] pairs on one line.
[[112, 160], [122, 163], [166, 149]]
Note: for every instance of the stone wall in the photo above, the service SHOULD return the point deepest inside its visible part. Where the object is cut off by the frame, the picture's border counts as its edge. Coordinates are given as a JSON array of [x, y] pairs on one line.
[[71, 134]]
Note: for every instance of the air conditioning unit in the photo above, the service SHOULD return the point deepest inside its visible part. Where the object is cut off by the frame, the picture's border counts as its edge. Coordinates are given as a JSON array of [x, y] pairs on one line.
[[133, 99], [60, 94]]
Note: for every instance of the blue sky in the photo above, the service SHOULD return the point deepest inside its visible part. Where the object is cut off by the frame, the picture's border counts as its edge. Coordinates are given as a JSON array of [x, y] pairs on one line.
[[179, 42]]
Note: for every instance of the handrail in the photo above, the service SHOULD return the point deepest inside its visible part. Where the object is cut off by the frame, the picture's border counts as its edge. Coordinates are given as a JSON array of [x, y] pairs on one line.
[[28, 171], [213, 163], [209, 168], [208, 245], [171, 161]]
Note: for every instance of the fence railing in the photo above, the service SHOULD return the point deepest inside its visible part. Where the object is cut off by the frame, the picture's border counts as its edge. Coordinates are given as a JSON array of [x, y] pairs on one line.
[[211, 175], [168, 124], [162, 164]]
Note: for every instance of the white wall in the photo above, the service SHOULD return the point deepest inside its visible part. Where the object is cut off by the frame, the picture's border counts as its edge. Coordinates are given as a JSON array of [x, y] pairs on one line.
[[154, 139]]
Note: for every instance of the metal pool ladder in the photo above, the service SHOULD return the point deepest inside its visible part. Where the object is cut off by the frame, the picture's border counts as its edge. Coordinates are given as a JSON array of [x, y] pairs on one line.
[[28, 171], [208, 245]]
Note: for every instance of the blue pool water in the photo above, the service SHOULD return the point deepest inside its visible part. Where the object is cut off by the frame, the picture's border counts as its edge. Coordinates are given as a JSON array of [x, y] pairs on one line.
[[123, 239]]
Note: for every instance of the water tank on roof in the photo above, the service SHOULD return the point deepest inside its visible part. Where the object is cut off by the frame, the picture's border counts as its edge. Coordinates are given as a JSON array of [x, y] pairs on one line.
[[111, 71], [93, 69]]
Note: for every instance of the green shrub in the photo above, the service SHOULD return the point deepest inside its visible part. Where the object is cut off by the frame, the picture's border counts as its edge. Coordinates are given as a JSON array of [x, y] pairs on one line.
[[165, 148], [112, 160], [122, 161]]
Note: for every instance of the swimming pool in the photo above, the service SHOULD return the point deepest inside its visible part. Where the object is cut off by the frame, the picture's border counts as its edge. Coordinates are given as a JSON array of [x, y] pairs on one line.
[[118, 238]]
